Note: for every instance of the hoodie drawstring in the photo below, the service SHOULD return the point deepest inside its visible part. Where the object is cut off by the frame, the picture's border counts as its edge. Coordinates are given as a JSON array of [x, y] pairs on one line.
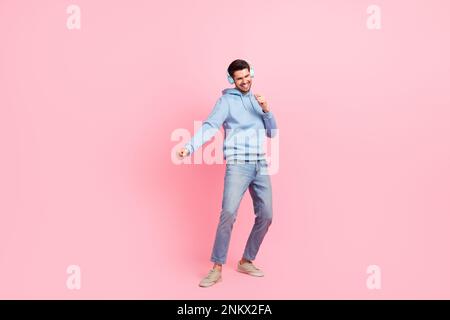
[[243, 102]]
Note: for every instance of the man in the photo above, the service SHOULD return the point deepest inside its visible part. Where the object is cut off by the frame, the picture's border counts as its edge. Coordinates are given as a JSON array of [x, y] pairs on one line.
[[243, 116]]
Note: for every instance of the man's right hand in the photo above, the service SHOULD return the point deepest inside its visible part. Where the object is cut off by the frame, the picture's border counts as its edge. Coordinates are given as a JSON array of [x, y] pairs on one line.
[[182, 153]]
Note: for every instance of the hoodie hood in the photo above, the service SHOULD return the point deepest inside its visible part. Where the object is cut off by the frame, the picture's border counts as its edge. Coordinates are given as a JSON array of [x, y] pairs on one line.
[[235, 92]]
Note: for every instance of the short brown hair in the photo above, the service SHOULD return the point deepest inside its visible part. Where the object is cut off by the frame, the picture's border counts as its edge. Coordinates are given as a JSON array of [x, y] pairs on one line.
[[237, 65]]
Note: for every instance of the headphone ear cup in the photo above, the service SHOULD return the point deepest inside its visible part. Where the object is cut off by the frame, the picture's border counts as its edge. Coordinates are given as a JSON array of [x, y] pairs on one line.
[[252, 72], [230, 78]]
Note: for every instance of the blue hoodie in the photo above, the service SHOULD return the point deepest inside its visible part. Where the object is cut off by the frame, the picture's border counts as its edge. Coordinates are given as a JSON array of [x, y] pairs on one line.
[[244, 123]]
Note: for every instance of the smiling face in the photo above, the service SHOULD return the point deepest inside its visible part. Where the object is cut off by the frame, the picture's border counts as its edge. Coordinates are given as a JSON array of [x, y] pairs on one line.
[[242, 80]]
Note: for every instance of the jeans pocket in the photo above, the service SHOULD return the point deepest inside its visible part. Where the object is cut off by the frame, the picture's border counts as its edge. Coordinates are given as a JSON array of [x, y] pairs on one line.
[[240, 169]]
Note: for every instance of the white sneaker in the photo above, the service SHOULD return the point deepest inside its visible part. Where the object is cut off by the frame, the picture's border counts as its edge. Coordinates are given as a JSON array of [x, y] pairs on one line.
[[249, 268], [211, 278]]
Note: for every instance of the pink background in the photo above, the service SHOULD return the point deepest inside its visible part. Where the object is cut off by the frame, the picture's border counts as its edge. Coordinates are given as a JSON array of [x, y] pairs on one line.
[[87, 178]]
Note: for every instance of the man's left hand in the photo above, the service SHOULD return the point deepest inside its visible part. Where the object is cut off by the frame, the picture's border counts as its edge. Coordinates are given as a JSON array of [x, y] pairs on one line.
[[262, 102]]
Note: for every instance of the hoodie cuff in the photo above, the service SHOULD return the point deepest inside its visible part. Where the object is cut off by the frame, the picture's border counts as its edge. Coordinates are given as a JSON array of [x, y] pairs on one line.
[[190, 148], [267, 115]]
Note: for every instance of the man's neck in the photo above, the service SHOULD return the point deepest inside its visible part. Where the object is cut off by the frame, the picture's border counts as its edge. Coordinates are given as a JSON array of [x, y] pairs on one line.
[[243, 92]]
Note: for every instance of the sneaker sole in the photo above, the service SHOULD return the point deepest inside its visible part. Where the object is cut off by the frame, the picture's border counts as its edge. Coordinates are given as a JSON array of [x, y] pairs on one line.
[[213, 283], [250, 274]]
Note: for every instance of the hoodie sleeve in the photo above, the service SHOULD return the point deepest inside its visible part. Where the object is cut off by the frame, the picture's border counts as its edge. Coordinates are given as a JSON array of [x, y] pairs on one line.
[[210, 126], [268, 118], [270, 124]]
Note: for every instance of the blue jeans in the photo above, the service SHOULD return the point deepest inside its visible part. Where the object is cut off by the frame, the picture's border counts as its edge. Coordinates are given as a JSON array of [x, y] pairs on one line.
[[239, 177]]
